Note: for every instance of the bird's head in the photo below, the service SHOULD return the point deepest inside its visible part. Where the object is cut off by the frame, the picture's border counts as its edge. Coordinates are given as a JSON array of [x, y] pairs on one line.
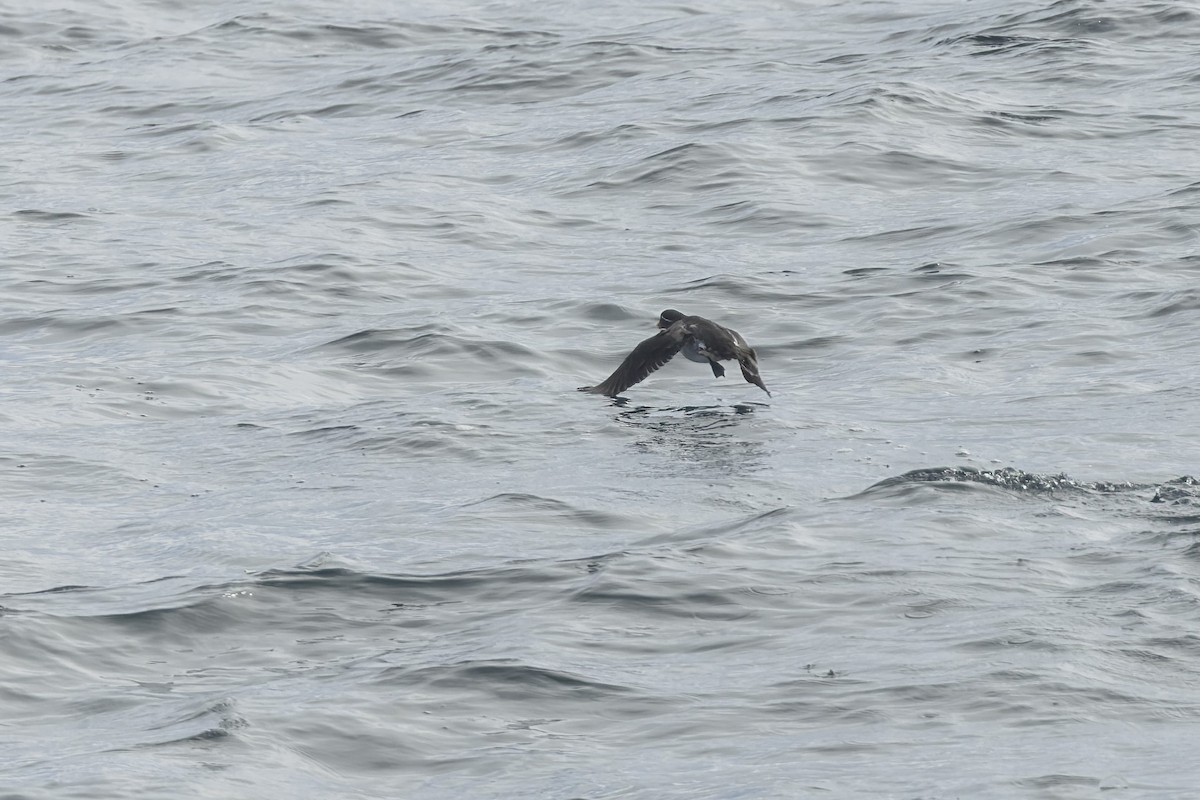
[[669, 317]]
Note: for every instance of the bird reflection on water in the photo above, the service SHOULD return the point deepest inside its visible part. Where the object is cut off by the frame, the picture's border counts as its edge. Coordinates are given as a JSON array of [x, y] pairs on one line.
[[706, 436]]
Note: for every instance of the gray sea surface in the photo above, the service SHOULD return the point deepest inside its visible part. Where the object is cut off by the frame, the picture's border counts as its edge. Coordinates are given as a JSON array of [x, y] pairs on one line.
[[298, 497]]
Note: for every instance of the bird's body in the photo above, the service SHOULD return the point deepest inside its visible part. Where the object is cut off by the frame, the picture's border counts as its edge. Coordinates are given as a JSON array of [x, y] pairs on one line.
[[699, 339]]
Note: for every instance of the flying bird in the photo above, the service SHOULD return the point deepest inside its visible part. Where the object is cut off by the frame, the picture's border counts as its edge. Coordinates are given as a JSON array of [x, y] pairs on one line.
[[700, 339]]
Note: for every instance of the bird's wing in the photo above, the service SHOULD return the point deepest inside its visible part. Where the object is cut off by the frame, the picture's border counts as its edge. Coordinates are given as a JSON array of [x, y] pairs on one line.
[[645, 358]]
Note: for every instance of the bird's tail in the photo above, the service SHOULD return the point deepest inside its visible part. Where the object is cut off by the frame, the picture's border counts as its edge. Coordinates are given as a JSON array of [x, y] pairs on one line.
[[748, 361]]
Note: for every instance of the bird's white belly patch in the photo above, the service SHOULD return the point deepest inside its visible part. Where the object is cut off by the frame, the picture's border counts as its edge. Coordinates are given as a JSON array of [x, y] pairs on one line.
[[695, 350]]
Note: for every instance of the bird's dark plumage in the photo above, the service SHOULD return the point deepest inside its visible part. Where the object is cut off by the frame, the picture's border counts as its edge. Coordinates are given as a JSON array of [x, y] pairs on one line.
[[700, 340]]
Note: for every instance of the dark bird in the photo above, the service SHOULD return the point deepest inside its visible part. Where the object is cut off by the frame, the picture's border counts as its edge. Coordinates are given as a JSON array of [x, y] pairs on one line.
[[700, 340]]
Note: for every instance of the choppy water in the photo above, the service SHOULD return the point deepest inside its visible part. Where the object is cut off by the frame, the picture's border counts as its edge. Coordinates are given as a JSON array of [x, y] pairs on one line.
[[299, 500]]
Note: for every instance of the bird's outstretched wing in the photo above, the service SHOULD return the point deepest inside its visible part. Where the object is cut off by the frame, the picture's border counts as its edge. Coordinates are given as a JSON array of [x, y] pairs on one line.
[[645, 358]]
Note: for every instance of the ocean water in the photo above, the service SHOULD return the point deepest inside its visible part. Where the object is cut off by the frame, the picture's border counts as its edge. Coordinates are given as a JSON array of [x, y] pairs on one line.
[[299, 500]]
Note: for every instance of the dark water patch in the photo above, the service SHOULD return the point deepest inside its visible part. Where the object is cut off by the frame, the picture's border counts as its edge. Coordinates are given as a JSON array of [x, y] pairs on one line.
[[545, 71], [1041, 117], [314, 600], [1192, 551], [210, 722], [548, 219], [329, 432], [756, 216], [1058, 782], [388, 433], [42, 474], [986, 44], [336, 600], [172, 722], [168, 112], [474, 713], [940, 272], [607, 312], [568, 314], [650, 586], [1182, 645], [281, 287], [1192, 190], [722, 285], [327, 201], [161, 130], [398, 592], [1174, 302], [505, 681], [522, 67], [1010, 641], [904, 102], [267, 23], [371, 34], [1177, 513], [61, 328], [1092, 20], [623, 133], [865, 272], [116, 155], [897, 169], [532, 509], [36, 215], [818, 343], [667, 601], [430, 342], [692, 166], [335, 111], [901, 235], [218, 272], [747, 526]]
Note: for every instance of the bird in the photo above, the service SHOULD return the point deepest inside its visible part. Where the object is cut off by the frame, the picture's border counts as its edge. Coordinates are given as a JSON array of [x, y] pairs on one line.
[[700, 339]]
